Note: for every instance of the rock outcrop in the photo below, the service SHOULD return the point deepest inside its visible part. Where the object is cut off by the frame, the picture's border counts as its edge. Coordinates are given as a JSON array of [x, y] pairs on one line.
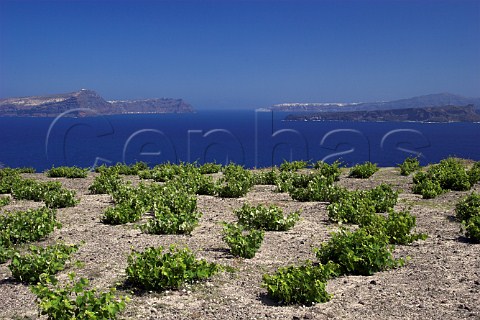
[[163, 105]]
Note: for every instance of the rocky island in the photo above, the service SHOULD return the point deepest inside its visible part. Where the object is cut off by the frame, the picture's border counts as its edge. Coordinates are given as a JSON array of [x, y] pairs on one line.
[[428, 114], [440, 107], [87, 103]]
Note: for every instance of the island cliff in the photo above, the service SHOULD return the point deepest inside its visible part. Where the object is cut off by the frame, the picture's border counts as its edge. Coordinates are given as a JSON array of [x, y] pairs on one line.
[[90, 104]]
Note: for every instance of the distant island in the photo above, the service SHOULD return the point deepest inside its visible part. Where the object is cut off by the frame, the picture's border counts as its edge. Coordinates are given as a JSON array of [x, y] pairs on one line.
[[428, 114], [440, 107], [425, 101], [90, 103]]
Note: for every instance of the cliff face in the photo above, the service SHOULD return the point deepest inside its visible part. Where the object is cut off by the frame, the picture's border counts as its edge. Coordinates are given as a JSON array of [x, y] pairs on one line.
[[54, 105], [152, 106], [431, 114]]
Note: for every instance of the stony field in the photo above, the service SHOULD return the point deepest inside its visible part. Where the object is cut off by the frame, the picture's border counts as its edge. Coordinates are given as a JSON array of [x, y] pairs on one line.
[[440, 281]]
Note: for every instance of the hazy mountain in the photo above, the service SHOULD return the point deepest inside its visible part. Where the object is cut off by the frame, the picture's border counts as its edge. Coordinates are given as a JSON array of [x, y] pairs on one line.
[[431, 100], [53, 105]]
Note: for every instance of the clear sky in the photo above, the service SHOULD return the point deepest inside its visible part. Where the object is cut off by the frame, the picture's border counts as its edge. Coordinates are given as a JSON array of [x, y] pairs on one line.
[[241, 54]]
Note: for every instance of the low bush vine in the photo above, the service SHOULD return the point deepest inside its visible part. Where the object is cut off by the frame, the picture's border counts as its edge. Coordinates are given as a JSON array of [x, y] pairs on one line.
[[190, 176], [29, 267], [106, 183], [293, 165], [52, 193], [175, 211], [284, 181], [236, 182], [173, 205], [6, 252], [468, 212], [448, 174], [194, 182], [472, 227], [384, 197], [209, 168], [269, 218], [468, 207], [409, 165], [120, 214], [319, 188], [167, 171], [8, 177], [397, 227], [364, 170], [305, 284], [124, 169], [4, 201], [429, 189], [145, 174], [474, 173], [15, 171], [166, 222], [243, 243], [130, 204], [352, 207], [156, 269], [132, 169], [266, 177], [452, 174], [206, 185], [288, 181], [67, 172], [329, 170], [358, 252], [61, 198], [29, 189], [75, 301], [26, 226]]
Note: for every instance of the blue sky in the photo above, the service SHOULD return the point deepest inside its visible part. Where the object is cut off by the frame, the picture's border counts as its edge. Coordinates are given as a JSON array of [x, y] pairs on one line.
[[241, 54]]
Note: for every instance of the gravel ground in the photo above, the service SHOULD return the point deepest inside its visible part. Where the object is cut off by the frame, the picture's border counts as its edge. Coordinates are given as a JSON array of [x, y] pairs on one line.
[[440, 281]]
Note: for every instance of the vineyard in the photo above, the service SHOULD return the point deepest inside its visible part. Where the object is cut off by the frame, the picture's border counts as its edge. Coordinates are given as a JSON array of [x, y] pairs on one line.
[[187, 241]]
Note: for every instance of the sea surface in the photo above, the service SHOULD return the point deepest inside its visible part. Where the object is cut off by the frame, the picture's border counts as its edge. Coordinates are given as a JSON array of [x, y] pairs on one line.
[[251, 138]]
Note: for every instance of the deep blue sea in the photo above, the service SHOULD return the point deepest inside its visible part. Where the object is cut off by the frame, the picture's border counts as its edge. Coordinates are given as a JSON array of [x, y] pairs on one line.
[[250, 138]]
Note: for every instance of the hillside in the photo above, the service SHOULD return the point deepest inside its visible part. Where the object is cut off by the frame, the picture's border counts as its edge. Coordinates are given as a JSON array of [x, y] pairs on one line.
[[429, 114], [91, 103]]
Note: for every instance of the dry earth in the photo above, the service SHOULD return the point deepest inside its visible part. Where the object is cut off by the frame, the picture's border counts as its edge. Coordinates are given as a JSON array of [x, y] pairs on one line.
[[441, 280]]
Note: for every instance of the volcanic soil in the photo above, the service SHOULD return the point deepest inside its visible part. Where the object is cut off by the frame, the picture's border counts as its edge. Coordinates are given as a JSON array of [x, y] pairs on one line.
[[441, 279]]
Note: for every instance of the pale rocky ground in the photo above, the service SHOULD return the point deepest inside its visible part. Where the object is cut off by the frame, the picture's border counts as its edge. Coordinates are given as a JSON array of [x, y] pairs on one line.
[[440, 281]]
